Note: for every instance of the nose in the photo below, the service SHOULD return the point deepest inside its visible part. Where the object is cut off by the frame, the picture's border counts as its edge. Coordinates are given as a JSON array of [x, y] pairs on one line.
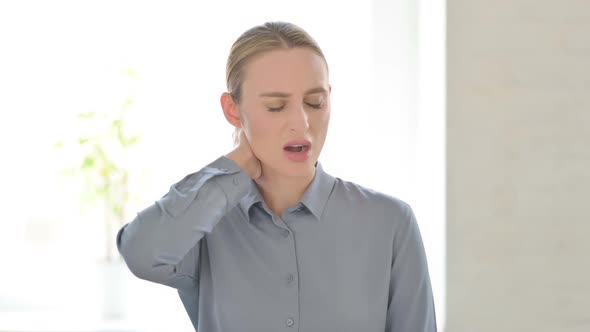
[[299, 120]]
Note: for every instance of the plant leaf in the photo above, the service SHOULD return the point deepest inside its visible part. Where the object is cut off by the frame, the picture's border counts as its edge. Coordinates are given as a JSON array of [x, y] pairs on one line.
[[88, 162], [86, 115]]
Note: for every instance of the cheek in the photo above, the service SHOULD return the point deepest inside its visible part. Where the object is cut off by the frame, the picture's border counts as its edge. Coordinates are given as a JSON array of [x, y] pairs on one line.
[[263, 132], [251, 120], [260, 125], [321, 120], [327, 116]]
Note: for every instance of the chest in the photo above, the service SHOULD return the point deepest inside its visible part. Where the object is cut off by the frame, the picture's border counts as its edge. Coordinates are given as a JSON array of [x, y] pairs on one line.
[[297, 272]]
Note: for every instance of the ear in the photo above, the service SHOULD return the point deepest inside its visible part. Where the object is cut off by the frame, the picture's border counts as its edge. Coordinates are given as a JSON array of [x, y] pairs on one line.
[[230, 110], [329, 89]]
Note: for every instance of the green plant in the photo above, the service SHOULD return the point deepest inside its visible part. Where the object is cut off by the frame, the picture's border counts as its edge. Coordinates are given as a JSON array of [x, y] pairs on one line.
[[102, 146]]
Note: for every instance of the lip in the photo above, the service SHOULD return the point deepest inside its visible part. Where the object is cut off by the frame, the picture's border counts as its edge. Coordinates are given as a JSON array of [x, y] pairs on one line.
[[298, 156], [298, 142]]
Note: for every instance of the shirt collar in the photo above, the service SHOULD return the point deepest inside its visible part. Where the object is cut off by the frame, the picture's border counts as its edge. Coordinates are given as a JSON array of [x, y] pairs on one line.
[[314, 199]]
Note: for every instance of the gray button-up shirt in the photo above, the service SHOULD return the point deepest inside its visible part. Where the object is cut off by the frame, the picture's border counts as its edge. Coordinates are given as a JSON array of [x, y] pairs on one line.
[[346, 258]]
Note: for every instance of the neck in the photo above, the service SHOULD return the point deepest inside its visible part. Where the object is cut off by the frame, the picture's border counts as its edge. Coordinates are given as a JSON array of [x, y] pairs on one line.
[[281, 192]]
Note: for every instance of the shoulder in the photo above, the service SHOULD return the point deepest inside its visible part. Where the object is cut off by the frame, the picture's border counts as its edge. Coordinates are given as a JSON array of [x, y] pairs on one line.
[[376, 202]]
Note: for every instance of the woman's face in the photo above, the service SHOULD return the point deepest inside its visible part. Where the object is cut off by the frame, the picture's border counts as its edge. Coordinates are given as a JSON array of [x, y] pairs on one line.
[[286, 98]]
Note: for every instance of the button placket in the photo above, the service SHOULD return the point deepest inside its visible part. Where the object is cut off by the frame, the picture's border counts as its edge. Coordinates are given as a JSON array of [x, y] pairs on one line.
[[289, 281], [285, 233], [290, 278], [289, 322]]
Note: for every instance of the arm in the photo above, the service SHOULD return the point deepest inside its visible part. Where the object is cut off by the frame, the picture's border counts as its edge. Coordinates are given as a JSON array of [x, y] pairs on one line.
[[411, 304], [162, 243]]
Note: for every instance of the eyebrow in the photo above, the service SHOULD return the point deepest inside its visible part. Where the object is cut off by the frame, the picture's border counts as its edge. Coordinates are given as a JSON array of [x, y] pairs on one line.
[[285, 95]]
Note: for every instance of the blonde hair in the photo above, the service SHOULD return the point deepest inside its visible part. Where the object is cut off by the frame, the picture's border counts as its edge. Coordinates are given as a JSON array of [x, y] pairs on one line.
[[260, 39]]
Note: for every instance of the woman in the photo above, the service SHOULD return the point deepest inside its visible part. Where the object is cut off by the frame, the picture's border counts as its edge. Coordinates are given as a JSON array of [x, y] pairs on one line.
[[262, 238]]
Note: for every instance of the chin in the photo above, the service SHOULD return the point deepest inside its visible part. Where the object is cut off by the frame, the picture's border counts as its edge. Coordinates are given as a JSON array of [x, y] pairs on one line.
[[299, 168]]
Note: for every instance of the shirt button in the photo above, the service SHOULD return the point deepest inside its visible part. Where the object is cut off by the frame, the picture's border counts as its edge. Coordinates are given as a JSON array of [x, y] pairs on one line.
[[285, 233], [289, 322], [236, 182], [290, 278]]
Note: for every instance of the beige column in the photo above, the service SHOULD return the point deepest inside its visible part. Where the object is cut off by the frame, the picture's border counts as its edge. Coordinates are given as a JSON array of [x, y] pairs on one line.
[[518, 158]]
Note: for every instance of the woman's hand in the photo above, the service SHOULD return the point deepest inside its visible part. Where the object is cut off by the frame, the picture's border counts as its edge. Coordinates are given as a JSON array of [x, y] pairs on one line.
[[245, 158]]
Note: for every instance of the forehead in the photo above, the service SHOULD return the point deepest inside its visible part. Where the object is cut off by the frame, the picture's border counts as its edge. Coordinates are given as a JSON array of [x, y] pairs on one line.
[[286, 70]]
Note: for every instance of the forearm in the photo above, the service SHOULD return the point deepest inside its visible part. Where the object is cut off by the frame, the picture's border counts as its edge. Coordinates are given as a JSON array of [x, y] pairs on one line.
[[161, 243]]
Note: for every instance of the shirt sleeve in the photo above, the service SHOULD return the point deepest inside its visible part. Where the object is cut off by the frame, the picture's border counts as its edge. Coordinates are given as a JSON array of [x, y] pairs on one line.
[[161, 244], [411, 304]]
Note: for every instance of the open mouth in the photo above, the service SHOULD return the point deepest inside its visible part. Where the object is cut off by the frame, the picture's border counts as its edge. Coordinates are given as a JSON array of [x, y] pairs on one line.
[[297, 148]]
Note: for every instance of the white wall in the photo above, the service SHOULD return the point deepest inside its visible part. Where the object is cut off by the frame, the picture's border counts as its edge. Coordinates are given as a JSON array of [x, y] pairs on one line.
[[408, 119]]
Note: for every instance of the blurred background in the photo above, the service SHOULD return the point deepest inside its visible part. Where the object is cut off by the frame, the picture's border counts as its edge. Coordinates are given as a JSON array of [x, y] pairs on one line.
[[477, 113]]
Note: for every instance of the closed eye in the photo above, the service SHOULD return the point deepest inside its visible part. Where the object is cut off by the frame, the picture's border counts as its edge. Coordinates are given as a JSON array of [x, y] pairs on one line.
[[278, 109], [275, 109], [316, 106]]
